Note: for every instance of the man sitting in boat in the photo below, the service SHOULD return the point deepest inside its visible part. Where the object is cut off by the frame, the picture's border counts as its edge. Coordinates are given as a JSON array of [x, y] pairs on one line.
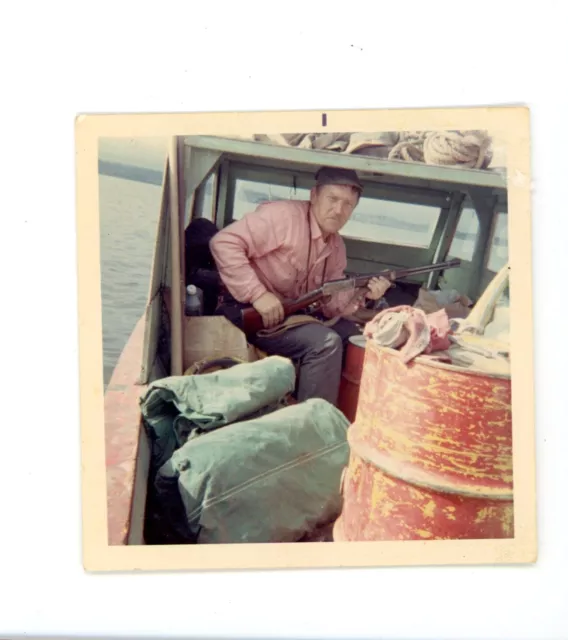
[[284, 249]]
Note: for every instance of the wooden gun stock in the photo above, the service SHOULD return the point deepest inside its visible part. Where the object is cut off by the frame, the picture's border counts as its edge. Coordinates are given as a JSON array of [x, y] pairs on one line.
[[252, 320]]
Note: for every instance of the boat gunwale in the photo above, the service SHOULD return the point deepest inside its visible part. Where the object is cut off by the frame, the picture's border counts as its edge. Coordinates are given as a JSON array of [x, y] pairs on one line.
[[123, 430]]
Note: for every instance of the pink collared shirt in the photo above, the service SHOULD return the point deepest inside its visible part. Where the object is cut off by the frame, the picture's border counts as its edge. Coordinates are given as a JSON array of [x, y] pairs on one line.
[[268, 250]]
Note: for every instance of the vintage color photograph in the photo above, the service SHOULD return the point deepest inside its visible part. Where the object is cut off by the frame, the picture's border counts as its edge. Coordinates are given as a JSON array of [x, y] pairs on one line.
[[306, 337]]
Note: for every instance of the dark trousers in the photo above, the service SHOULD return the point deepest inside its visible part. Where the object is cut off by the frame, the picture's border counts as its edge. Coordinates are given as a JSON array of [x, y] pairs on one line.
[[319, 352]]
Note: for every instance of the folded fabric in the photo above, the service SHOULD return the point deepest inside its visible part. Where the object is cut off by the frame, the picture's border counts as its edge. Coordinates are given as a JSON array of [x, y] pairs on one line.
[[273, 479], [500, 326], [475, 352], [180, 407], [410, 328], [455, 304]]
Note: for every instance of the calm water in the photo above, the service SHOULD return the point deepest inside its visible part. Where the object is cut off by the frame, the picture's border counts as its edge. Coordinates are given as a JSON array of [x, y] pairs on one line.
[[129, 216]]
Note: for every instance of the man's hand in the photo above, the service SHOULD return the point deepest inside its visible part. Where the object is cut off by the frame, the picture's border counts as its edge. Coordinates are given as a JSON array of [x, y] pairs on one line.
[[270, 308], [377, 288]]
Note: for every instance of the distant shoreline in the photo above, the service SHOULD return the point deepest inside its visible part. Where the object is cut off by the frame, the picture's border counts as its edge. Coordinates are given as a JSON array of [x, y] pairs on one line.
[[130, 172], [152, 176]]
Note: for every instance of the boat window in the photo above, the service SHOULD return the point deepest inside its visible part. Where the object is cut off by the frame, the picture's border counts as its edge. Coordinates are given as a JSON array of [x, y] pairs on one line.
[[463, 243], [204, 202], [249, 194], [375, 220], [499, 251], [391, 222]]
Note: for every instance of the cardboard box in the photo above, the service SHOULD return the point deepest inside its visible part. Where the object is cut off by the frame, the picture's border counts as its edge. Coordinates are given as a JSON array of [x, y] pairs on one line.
[[208, 337]]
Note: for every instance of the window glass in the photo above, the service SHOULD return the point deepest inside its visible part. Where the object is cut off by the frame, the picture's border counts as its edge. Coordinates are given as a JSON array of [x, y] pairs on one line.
[[249, 194], [373, 219], [463, 244], [392, 222], [204, 204], [499, 252]]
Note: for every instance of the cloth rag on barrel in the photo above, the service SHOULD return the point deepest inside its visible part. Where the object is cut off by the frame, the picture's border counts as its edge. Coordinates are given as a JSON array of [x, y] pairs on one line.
[[181, 407], [275, 478], [410, 330], [455, 304]]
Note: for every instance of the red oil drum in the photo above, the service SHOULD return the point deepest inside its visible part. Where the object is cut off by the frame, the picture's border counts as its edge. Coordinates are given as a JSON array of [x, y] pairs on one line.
[[351, 377], [431, 453]]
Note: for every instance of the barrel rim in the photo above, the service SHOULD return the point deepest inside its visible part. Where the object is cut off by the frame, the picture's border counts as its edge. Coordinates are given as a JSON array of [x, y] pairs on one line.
[[440, 365], [357, 339], [371, 457], [338, 533]]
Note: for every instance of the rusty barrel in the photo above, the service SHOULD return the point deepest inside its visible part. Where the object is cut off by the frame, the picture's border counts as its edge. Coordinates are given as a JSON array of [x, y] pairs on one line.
[[430, 453], [351, 377]]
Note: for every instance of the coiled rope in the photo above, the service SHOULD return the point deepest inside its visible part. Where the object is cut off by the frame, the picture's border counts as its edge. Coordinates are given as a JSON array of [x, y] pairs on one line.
[[409, 147], [450, 148]]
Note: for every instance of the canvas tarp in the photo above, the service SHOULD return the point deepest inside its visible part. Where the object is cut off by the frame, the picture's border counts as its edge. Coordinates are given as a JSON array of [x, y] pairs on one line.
[[467, 148], [181, 407], [275, 478]]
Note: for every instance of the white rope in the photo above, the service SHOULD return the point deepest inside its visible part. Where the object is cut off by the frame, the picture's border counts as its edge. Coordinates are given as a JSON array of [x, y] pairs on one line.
[[448, 148], [467, 148]]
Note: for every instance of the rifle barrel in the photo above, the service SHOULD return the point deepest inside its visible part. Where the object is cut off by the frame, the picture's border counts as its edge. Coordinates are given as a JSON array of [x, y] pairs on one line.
[[412, 271], [429, 268], [252, 320]]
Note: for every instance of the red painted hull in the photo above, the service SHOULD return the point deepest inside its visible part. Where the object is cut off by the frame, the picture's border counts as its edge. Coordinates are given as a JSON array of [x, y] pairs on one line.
[[126, 455], [431, 453]]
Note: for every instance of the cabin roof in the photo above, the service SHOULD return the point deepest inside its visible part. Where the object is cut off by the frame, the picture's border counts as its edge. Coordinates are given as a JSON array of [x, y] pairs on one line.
[[370, 169]]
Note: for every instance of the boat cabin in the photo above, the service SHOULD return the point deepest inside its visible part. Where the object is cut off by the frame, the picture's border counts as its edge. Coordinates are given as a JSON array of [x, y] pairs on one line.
[[411, 214]]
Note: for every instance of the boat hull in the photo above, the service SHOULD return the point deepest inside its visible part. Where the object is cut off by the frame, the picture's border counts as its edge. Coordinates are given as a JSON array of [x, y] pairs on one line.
[[127, 449]]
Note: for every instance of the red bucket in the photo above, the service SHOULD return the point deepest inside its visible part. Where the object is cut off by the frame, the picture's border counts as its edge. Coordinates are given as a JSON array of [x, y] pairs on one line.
[[351, 377]]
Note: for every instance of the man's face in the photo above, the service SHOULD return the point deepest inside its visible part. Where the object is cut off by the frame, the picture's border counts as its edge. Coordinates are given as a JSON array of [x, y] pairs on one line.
[[332, 206]]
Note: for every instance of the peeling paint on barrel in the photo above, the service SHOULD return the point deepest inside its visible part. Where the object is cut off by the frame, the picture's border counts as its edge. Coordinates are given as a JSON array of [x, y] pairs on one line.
[[431, 453]]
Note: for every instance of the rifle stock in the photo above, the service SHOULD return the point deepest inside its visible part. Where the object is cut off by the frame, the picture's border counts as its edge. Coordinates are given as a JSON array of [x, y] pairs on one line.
[[252, 320]]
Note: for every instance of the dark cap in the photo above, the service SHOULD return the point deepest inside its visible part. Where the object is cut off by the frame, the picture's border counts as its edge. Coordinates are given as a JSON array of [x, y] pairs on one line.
[[333, 175]]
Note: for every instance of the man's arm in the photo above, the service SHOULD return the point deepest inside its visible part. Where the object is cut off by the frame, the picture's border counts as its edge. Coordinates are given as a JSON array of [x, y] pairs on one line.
[[347, 303], [343, 302], [253, 236]]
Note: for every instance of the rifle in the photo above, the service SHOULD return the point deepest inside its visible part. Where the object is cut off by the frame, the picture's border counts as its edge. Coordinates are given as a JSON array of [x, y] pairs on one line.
[[252, 320]]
